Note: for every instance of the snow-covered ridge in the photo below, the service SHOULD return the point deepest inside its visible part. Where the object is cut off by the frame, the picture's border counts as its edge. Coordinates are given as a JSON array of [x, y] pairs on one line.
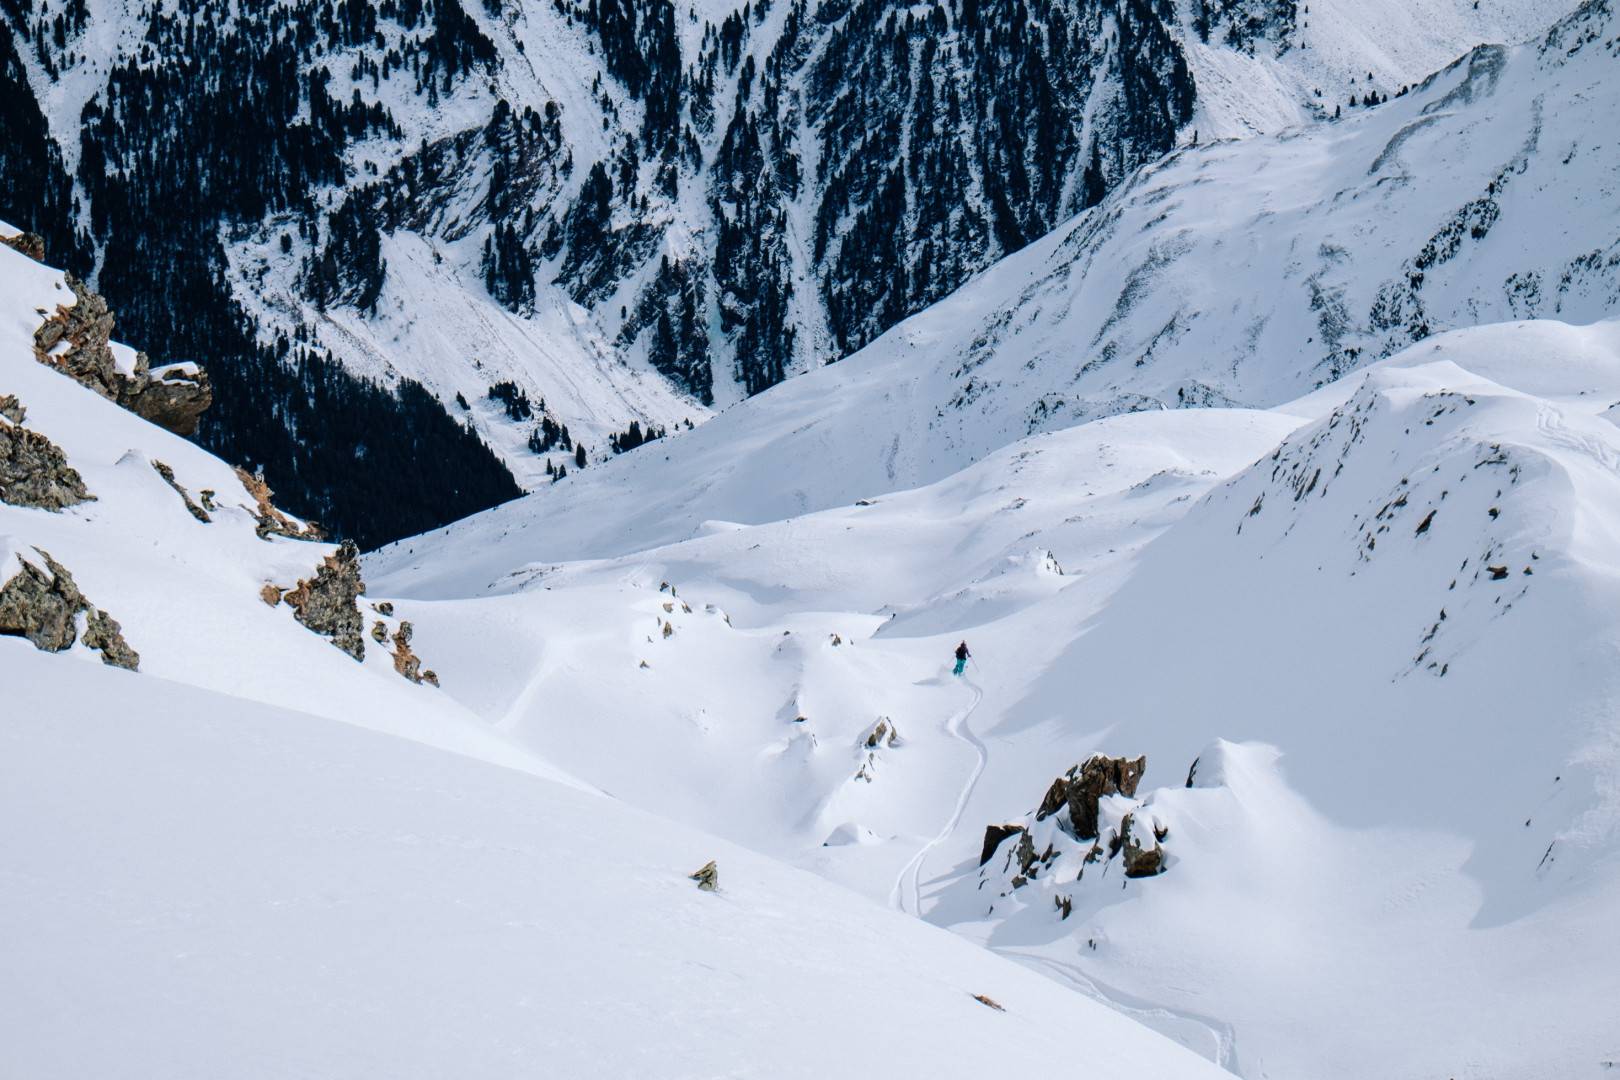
[[1482, 195]]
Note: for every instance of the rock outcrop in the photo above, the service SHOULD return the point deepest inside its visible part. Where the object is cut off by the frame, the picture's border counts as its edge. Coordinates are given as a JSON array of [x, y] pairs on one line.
[[328, 602], [33, 470], [272, 522], [44, 605], [185, 496], [1143, 857], [406, 662], [1083, 785], [883, 733], [12, 409], [1089, 822], [707, 877], [994, 836], [75, 340], [30, 244]]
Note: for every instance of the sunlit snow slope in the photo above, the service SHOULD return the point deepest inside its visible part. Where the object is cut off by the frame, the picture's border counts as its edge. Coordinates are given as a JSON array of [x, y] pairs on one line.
[[211, 868], [1379, 619]]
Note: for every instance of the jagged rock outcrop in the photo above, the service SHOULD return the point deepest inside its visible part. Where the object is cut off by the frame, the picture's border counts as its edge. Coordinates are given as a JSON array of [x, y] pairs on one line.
[[33, 470], [994, 835], [1083, 785], [43, 605], [75, 340], [328, 603], [12, 409], [1089, 822], [406, 662], [102, 633], [272, 522]]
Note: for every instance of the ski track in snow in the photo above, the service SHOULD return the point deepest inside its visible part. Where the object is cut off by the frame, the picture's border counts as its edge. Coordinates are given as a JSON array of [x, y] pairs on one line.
[[1152, 1014], [910, 874]]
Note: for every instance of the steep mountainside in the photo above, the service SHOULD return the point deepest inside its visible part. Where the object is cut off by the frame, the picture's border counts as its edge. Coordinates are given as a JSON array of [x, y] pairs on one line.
[[1335, 245], [626, 212], [210, 867]]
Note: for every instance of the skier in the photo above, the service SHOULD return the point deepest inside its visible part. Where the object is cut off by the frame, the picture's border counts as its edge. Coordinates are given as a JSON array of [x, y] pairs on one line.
[[962, 655]]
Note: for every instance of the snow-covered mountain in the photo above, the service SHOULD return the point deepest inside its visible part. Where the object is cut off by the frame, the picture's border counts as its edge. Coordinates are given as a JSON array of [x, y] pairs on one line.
[[561, 218], [246, 852], [1371, 674], [1355, 611], [1335, 244], [1276, 494]]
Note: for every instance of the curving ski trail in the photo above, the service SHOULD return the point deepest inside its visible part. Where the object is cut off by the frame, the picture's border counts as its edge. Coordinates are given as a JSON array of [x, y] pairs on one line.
[[906, 884]]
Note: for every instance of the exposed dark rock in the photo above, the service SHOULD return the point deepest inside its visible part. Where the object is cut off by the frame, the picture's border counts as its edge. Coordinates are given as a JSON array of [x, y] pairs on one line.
[[993, 836], [185, 496], [1025, 853], [43, 605], [328, 602], [34, 472], [30, 244], [379, 632], [169, 398], [1140, 860], [1081, 787], [12, 409], [102, 633]]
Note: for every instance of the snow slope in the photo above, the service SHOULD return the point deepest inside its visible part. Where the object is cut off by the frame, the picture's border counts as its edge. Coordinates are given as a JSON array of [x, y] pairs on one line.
[[196, 884], [1399, 847], [259, 857]]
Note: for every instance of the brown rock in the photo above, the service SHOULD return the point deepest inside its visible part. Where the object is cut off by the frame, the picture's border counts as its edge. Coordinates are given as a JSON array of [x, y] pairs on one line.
[[1140, 861], [272, 522], [270, 594], [406, 662]]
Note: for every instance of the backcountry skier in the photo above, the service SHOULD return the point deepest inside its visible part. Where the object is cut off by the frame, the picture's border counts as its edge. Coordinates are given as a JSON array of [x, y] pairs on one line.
[[962, 655]]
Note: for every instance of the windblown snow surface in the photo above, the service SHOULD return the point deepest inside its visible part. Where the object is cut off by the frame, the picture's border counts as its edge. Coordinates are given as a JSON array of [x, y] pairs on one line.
[[257, 857], [1364, 630]]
